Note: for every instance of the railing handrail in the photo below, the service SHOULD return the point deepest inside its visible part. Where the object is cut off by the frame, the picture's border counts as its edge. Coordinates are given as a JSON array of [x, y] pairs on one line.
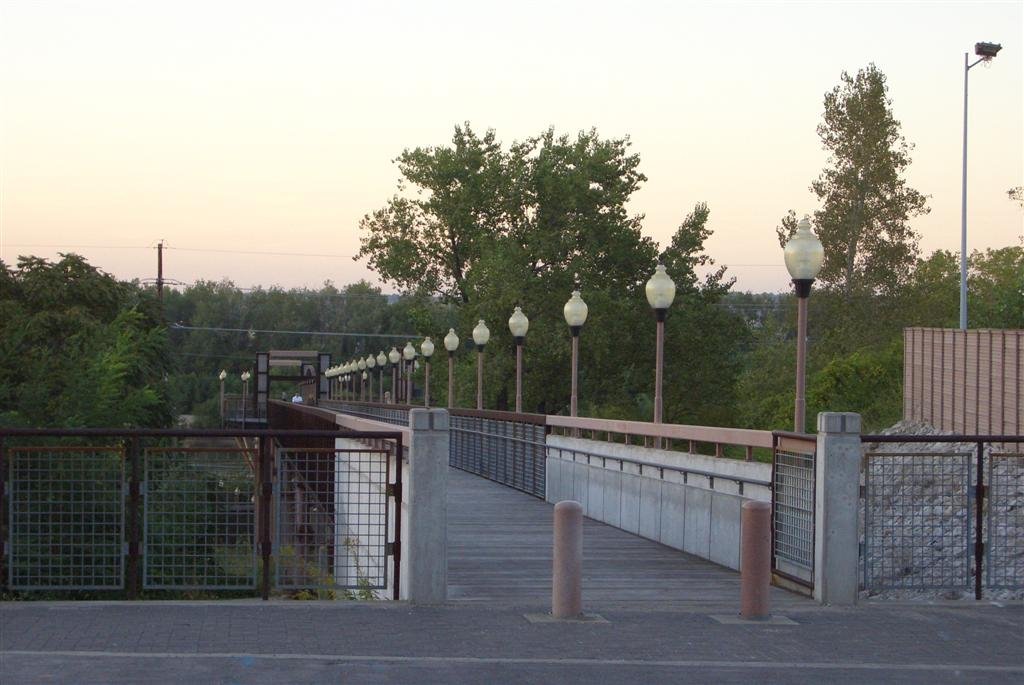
[[666, 467], [942, 438], [364, 426], [189, 433], [674, 431]]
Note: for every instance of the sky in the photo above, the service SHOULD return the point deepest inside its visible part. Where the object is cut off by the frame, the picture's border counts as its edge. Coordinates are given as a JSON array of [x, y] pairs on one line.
[[272, 127]]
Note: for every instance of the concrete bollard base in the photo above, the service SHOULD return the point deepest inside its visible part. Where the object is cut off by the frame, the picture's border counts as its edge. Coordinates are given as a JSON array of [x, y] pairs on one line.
[[755, 561], [567, 570]]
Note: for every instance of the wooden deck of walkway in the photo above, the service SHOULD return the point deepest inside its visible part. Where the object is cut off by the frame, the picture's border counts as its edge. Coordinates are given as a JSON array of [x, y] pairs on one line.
[[499, 551]]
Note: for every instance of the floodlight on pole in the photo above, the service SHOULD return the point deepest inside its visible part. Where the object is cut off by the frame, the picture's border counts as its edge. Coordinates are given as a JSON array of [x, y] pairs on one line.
[[985, 53]]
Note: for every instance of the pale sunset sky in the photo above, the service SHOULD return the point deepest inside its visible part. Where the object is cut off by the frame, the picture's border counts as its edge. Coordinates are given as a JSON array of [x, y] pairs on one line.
[[271, 126]]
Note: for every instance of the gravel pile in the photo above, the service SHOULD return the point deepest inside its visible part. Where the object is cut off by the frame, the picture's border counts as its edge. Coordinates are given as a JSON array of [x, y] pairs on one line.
[[920, 510]]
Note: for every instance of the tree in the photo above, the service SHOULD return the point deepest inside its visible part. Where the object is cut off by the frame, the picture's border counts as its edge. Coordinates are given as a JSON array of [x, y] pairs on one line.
[[863, 222], [79, 348], [549, 206]]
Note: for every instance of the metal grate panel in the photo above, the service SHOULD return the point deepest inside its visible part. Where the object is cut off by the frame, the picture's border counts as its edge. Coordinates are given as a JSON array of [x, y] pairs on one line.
[[512, 453], [1004, 546], [333, 516], [199, 518], [66, 518], [918, 509], [793, 483]]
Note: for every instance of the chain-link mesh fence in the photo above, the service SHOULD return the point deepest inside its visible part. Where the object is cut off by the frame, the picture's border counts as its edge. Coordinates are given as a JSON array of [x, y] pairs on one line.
[[1004, 547], [918, 520]]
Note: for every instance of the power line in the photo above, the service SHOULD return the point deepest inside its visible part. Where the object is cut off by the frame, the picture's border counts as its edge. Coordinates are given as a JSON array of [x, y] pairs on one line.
[[180, 327], [260, 252]]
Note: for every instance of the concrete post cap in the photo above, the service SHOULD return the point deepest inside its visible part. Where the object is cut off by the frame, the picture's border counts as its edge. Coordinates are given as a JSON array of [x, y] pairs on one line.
[[839, 422]]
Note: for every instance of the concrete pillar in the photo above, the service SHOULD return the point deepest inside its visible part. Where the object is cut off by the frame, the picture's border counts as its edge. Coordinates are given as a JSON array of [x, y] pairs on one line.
[[837, 489], [756, 561], [567, 570], [427, 530]]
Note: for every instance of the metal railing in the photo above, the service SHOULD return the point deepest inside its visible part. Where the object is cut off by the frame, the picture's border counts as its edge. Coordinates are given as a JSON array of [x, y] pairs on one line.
[[195, 509], [949, 516], [505, 447]]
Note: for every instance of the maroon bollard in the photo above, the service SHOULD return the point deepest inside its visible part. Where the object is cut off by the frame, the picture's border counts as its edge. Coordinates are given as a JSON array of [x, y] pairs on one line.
[[567, 572], [755, 559]]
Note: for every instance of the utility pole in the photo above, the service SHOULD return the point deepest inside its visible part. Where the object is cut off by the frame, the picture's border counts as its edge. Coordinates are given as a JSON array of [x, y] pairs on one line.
[[160, 271]]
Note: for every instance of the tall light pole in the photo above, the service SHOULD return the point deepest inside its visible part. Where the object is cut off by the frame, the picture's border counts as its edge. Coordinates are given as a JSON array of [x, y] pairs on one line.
[[481, 334], [361, 365], [371, 362], [660, 292], [575, 312], [985, 52], [427, 350], [451, 343], [409, 353], [394, 356], [222, 376], [804, 256], [245, 395], [382, 360], [518, 324]]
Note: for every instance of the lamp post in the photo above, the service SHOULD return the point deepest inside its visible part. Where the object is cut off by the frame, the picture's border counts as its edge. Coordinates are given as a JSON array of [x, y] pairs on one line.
[[222, 376], [427, 350], [394, 356], [481, 335], [371, 362], [245, 394], [382, 359], [575, 312], [660, 292], [985, 52], [409, 354], [361, 365], [804, 256], [451, 343], [518, 324]]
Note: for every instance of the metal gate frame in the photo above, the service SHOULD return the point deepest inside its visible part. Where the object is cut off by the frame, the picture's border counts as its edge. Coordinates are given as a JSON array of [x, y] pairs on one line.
[[388, 547], [788, 572]]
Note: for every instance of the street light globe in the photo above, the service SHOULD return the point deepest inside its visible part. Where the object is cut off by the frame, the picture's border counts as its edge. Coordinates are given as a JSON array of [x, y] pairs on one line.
[[575, 310], [222, 375], [245, 375], [382, 358], [660, 289], [409, 352], [364, 375], [371, 361], [427, 347], [481, 334], [518, 324], [451, 341], [361, 365], [394, 355], [803, 253]]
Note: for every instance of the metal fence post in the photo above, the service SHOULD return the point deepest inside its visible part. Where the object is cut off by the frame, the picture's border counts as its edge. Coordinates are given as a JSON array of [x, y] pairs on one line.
[[979, 520], [4, 523], [134, 536], [266, 456], [836, 544]]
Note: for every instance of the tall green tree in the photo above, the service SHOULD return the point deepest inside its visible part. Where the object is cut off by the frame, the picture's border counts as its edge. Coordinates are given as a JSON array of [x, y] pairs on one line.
[[79, 348], [866, 203]]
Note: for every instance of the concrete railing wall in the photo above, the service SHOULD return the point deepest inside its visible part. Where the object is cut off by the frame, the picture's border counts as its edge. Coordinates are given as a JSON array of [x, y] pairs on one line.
[[693, 503]]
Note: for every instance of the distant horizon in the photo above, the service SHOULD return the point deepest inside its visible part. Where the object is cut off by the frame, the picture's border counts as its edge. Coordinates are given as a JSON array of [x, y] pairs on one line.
[[274, 130]]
